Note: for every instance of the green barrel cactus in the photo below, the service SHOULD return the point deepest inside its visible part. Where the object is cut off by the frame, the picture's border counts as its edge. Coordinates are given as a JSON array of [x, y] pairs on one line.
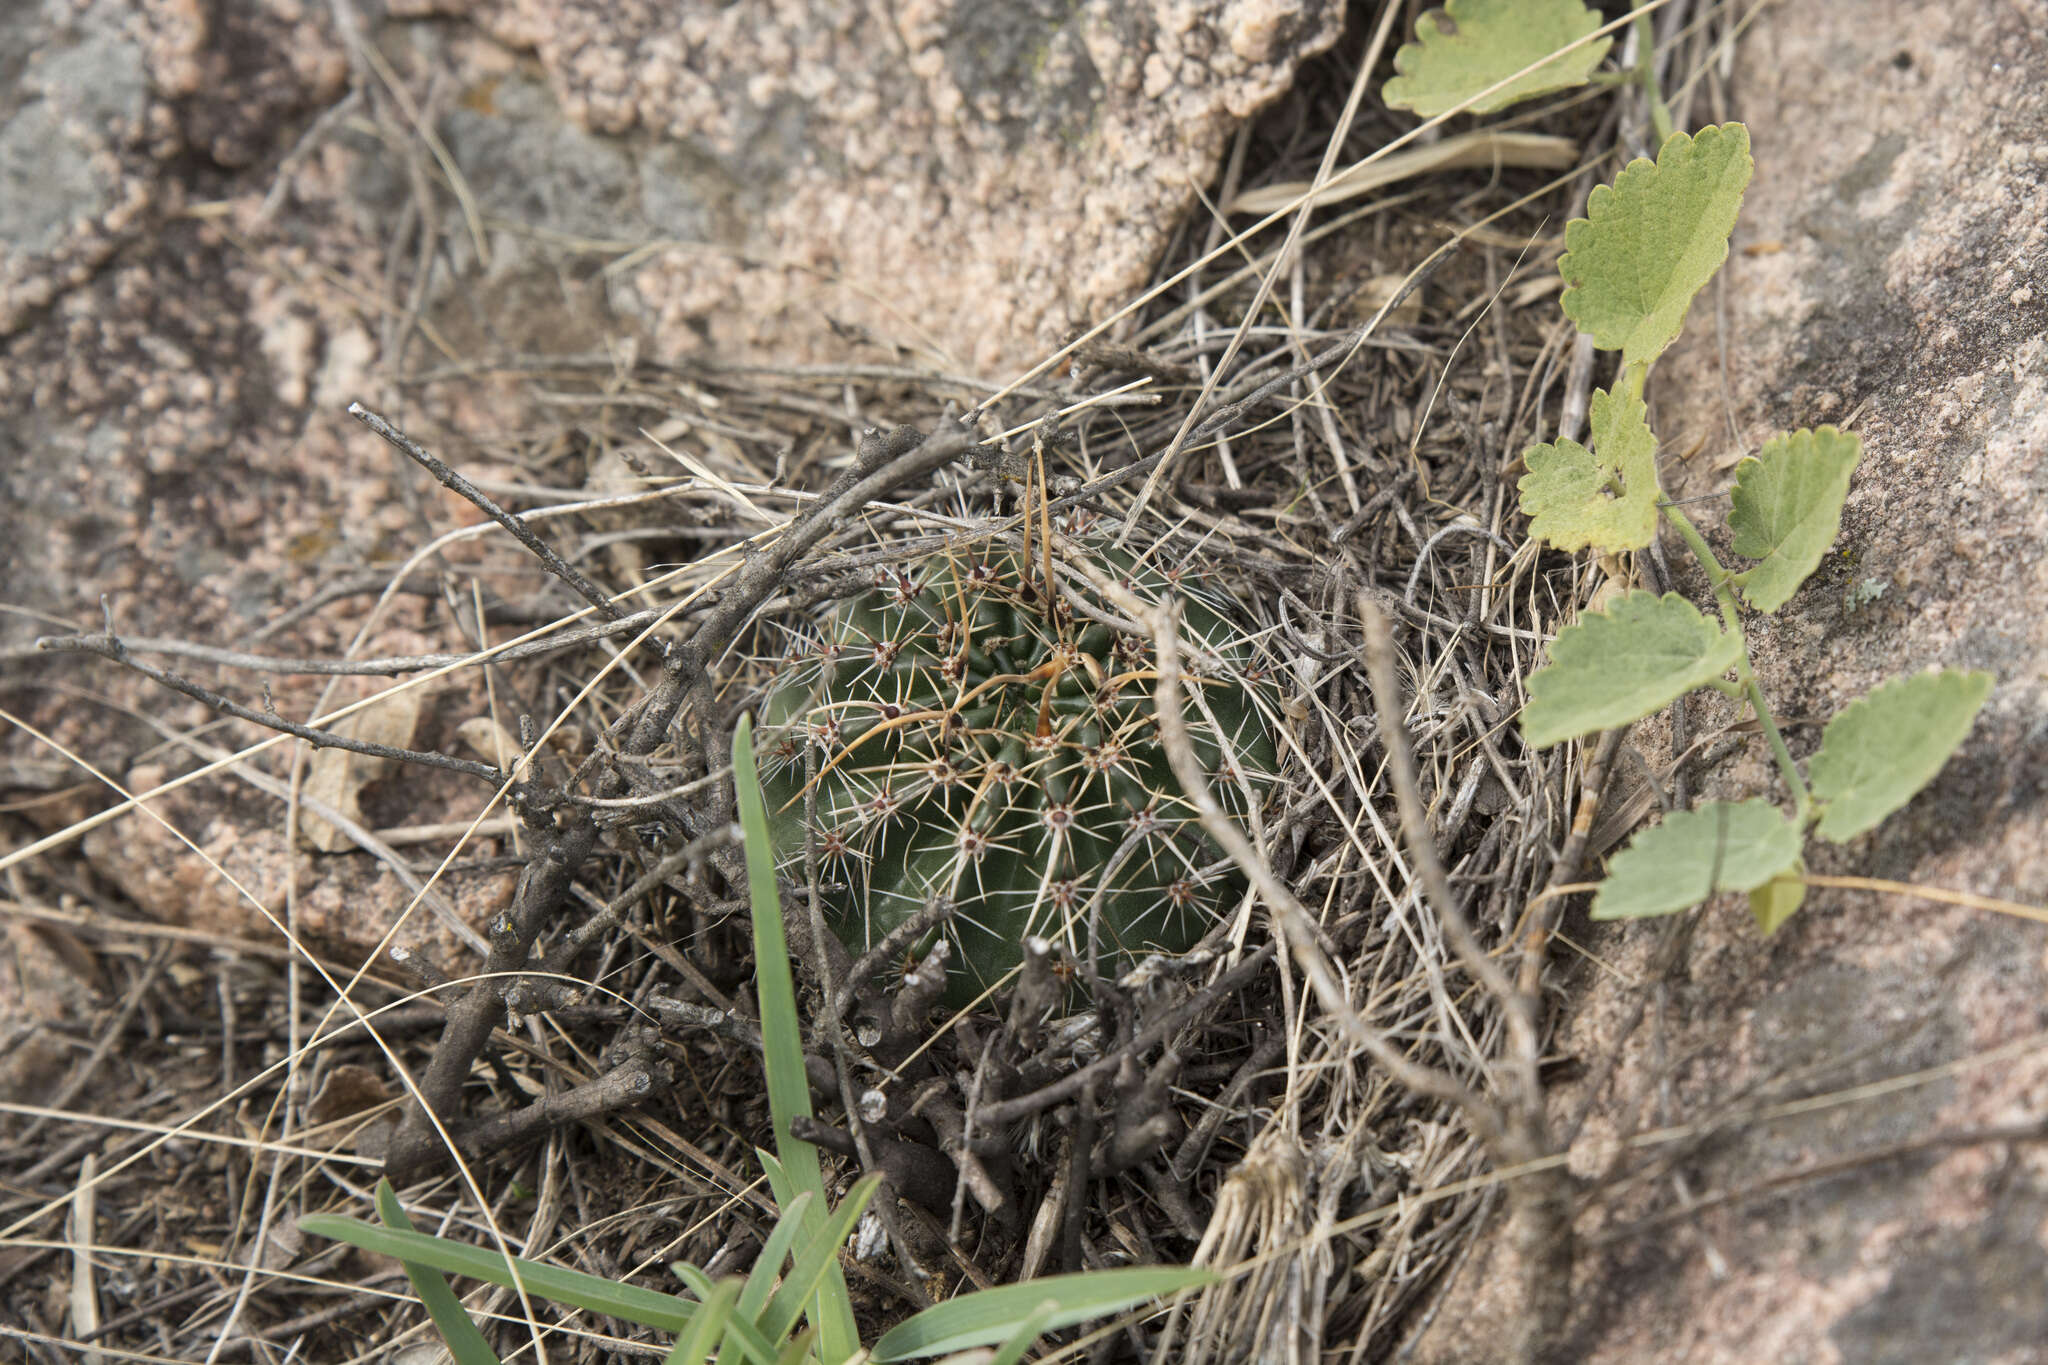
[[977, 737]]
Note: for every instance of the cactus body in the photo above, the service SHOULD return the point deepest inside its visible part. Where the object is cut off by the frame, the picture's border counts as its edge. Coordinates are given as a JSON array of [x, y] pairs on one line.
[[974, 736]]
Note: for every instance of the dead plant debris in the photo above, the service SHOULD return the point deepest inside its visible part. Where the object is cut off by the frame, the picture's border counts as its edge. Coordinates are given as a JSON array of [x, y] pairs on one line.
[[1314, 1100]]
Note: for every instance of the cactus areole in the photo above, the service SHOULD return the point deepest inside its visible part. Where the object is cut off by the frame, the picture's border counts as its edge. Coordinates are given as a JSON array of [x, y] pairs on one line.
[[971, 735]]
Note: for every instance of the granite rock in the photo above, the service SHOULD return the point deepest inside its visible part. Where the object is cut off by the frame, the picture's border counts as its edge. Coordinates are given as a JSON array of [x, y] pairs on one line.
[[1890, 271]]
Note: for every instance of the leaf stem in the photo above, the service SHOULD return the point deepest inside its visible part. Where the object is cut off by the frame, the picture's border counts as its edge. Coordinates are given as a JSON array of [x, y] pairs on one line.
[[1802, 800], [1646, 75], [1717, 577], [1724, 599], [1634, 378]]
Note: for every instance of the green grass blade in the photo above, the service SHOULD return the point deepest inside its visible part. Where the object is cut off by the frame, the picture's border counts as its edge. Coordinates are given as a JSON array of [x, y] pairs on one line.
[[994, 1315], [464, 1339], [744, 1338], [1028, 1331], [694, 1279], [789, 1092], [628, 1302], [780, 1185], [695, 1346], [737, 1338], [768, 1265], [818, 1256]]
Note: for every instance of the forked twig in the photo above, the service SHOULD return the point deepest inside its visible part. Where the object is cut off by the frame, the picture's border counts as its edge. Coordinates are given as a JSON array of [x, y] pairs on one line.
[[454, 482]]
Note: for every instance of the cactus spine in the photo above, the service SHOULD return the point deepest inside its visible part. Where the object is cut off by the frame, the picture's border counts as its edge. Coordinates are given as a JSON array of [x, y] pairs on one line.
[[975, 736]]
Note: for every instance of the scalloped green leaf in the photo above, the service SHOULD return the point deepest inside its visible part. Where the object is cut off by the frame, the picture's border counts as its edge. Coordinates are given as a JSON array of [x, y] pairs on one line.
[[1721, 846], [1471, 45], [1884, 747], [1653, 239], [1788, 509], [1599, 499], [1777, 900], [1619, 665]]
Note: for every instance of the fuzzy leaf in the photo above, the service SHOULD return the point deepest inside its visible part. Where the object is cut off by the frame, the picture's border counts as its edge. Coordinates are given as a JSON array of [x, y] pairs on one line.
[[1470, 45], [1788, 507], [1653, 239], [1622, 664], [1775, 901], [1599, 499], [1721, 846], [1885, 747]]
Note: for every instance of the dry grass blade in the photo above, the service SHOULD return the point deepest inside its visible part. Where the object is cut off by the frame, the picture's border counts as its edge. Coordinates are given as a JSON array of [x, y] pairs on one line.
[[1305, 1103]]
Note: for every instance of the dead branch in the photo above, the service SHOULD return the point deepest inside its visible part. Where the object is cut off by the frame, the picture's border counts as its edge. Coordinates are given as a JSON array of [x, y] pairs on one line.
[[390, 665], [110, 647], [455, 483]]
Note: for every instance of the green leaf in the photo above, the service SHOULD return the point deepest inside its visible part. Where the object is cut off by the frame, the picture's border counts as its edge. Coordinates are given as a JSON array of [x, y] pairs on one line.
[[768, 1265], [1031, 1329], [1599, 499], [694, 1279], [993, 1315], [1471, 45], [573, 1287], [1653, 239], [737, 1338], [1788, 507], [1721, 846], [464, 1339], [814, 1259], [1883, 748], [1617, 666], [782, 1053], [744, 1339], [1775, 901], [694, 1347]]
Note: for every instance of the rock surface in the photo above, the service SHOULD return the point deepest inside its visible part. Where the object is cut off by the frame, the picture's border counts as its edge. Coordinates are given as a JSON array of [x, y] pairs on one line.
[[1890, 270], [968, 182], [221, 223]]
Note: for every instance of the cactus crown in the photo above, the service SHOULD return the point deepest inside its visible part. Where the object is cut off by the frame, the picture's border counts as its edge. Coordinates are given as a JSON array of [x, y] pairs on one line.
[[975, 736]]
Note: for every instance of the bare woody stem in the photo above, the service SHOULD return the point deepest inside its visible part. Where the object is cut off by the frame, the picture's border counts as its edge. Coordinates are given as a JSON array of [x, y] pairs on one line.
[[454, 482], [377, 667], [111, 647]]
